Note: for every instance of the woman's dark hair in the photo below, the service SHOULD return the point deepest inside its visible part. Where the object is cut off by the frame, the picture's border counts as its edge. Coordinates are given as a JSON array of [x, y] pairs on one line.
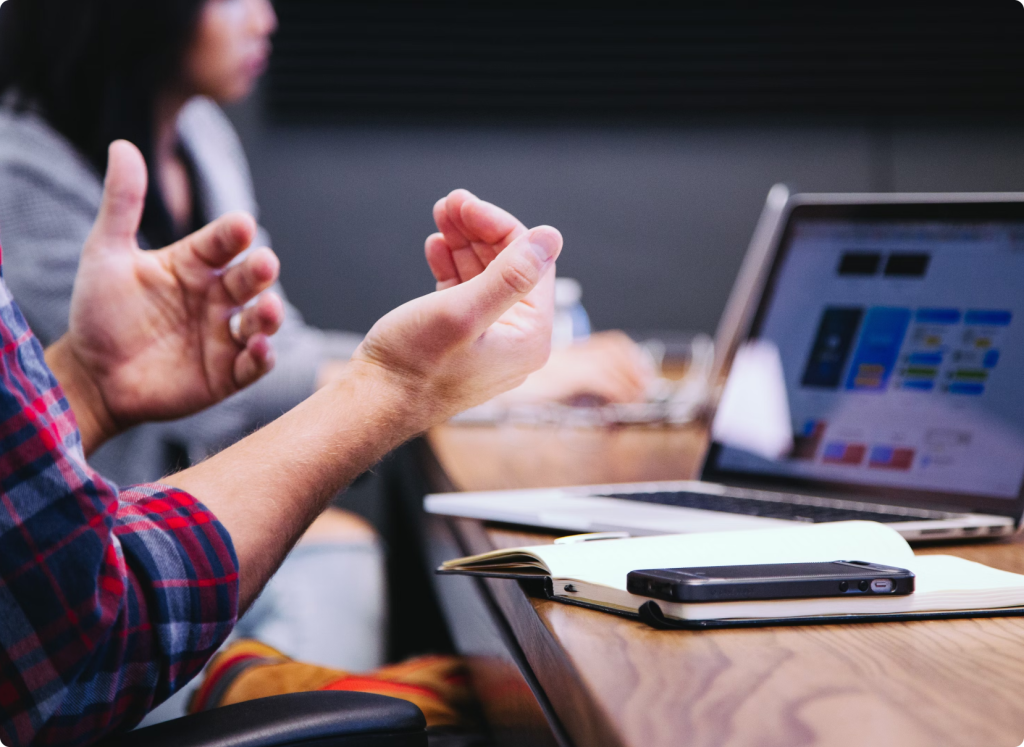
[[95, 67]]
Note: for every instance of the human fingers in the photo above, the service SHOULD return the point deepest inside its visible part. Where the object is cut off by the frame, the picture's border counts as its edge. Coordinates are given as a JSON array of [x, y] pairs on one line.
[[609, 385], [491, 229], [124, 198], [440, 261], [261, 318], [488, 223], [467, 263], [578, 372], [622, 355], [470, 223], [476, 219], [254, 361], [217, 243], [510, 278], [621, 385], [618, 380], [253, 275], [596, 391], [448, 216]]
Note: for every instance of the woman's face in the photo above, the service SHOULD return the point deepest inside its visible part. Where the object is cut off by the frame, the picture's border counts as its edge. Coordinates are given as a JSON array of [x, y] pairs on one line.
[[230, 48]]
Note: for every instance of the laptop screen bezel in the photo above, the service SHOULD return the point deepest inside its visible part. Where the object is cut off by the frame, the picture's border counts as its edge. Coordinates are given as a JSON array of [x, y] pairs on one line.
[[895, 209]]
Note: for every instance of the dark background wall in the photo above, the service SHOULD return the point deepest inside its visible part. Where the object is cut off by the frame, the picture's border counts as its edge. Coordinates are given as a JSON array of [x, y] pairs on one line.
[[656, 207]]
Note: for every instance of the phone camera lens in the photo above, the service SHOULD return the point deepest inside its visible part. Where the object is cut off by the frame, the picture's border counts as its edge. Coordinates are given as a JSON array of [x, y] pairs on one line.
[[843, 586], [863, 585]]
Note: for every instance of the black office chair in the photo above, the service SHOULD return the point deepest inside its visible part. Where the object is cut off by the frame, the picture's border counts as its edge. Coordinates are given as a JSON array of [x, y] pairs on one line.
[[317, 719]]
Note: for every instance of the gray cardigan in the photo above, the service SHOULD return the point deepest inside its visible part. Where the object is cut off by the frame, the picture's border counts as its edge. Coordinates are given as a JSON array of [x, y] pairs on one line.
[[49, 197]]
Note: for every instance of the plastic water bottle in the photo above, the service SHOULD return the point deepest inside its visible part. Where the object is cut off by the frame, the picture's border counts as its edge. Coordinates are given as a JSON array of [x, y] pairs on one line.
[[571, 322]]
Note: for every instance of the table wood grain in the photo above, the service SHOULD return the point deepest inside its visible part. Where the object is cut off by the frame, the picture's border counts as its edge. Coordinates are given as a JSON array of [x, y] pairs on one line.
[[615, 681]]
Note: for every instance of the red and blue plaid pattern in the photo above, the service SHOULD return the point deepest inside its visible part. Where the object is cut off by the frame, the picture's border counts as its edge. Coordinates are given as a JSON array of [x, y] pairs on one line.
[[109, 601]]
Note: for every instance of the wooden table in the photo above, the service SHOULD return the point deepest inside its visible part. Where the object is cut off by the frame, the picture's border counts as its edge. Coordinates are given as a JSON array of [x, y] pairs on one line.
[[549, 673]]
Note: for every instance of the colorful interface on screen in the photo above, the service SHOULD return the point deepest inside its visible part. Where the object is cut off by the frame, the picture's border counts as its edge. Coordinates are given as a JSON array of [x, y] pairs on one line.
[[903, 352]]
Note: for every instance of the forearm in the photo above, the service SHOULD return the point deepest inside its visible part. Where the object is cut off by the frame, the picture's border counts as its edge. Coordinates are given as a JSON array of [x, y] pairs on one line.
[[267, 488]]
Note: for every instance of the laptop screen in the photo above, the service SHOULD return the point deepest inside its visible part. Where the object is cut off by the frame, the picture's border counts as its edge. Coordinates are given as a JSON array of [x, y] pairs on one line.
[[901, 336]]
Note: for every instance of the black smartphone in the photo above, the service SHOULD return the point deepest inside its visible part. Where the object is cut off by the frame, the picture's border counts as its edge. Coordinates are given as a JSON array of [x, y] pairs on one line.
[[732, 583]]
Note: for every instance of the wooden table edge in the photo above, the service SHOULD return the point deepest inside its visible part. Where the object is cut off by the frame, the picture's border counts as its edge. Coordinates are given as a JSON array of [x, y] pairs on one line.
[[543, 663]]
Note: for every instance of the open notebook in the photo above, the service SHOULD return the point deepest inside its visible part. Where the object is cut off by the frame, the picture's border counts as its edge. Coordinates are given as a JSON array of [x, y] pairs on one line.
[[594, 574]]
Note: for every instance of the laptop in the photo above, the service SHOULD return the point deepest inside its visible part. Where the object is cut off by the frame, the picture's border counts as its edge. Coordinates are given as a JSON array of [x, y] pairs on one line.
[[899, 324]]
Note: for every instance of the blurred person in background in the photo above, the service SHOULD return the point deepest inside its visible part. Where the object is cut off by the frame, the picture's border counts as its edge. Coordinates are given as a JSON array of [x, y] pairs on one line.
[[76, 75]]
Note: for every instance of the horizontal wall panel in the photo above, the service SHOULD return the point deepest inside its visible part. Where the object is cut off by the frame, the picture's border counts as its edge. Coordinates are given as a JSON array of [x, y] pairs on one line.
[[454, 59]]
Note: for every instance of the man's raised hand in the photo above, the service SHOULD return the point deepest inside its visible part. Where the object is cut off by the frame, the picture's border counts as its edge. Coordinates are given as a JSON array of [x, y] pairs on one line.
[[487, 326], [148, 335]]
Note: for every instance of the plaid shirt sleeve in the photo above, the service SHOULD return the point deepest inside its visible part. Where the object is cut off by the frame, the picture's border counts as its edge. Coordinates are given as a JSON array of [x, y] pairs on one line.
[[109, 600]]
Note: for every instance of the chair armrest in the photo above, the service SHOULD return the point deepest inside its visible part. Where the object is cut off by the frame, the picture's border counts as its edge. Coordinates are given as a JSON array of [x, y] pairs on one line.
[[315, 719]]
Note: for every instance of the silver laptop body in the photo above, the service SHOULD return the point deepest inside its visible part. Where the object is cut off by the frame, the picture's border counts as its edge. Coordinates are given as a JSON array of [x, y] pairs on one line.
[[899, 320]]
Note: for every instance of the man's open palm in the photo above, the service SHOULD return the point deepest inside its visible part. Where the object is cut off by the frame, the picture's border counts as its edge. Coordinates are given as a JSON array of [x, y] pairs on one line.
[[151, 328]]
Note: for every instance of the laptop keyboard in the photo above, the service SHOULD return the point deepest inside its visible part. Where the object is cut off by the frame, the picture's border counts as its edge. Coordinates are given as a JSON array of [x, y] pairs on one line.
[[816, 512]]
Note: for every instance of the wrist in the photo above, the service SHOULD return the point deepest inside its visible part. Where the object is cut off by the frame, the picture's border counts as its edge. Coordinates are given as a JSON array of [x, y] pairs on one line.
[[397, 403], [328, 371], [95, 422]]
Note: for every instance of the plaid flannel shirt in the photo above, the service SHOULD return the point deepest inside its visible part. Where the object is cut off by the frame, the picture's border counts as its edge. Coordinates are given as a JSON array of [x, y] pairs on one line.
[[109, 600]]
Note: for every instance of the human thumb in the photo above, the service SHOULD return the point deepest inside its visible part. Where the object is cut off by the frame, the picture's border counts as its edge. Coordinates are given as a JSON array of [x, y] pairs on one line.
[[509, 278], [124, 197]]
